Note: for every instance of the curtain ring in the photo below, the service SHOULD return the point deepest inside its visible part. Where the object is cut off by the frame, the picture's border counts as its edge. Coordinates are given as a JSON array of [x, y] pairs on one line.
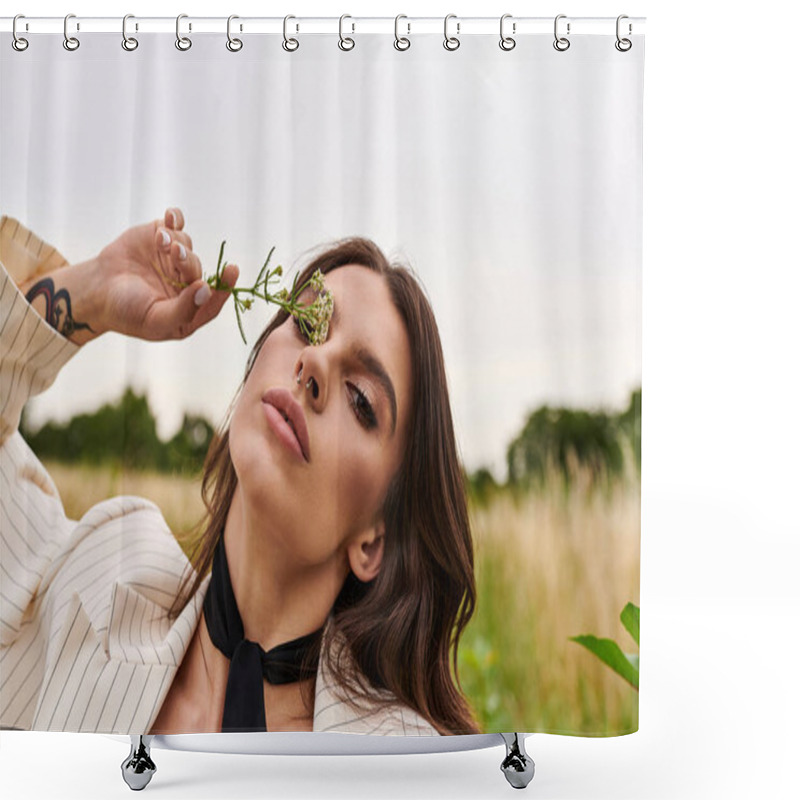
[[561, 43], [70, 42], [623, 45], [451, 42], [18, 43], [290, 45], [182, 42], [234, 45], [506, 42], [129, 43], [401, 43], [346, 43]]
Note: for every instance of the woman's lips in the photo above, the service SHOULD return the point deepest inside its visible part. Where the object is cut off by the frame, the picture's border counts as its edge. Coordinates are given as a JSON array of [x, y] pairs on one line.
[[283, 430], [291, 412]]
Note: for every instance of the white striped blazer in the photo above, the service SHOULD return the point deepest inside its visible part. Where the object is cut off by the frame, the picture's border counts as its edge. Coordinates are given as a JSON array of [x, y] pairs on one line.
[[84, 643]]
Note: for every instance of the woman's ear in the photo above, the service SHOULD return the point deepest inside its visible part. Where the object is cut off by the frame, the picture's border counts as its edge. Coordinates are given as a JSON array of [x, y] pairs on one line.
[[365, 553]]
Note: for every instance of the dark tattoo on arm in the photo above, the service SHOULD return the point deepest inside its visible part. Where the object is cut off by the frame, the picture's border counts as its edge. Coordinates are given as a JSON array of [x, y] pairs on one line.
[[59, 307]]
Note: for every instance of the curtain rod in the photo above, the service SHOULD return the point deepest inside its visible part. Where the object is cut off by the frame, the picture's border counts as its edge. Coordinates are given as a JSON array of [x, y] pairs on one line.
[[460, 26]]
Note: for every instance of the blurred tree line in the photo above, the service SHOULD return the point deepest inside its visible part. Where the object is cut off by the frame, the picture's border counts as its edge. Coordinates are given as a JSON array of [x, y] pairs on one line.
[[123, 434], [563, 439]]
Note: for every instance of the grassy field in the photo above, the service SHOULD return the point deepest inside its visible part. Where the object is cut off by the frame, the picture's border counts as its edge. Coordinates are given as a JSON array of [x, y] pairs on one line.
[[553, 564], [560, 561], [82, 486]]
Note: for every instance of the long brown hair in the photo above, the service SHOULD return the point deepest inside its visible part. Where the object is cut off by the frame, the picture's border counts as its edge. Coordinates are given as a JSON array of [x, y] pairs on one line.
[[402, 628]]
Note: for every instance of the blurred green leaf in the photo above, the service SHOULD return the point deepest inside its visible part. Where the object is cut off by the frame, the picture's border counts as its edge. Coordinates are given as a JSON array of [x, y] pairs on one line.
[[609, 653], [630, 619]]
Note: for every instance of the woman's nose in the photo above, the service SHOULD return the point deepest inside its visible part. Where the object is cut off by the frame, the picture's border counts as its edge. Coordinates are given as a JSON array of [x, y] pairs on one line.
[[311, 377], [313, 386], [309, 384]]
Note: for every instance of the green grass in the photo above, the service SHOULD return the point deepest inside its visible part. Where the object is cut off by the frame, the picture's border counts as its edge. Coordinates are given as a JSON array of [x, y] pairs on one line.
[[554, 564]]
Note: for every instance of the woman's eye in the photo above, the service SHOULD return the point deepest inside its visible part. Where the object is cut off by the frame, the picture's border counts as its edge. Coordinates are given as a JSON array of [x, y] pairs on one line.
[[363, 408]]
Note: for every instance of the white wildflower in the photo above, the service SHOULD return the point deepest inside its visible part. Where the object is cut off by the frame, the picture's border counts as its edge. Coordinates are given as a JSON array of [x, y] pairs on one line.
[[318, 281], [319, 315], [315, 317]]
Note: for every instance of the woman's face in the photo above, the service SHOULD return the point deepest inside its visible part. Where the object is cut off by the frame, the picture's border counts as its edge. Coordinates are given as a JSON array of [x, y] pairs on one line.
[[318, 507]]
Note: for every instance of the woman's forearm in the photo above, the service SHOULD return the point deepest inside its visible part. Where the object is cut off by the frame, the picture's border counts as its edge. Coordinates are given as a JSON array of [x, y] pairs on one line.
[[68, 299]]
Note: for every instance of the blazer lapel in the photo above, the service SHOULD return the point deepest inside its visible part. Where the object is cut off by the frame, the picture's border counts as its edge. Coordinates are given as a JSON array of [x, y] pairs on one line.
[[109, 672]]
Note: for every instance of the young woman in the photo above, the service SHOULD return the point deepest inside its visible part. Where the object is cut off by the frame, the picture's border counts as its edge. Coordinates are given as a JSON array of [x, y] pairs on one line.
[[334, 576]]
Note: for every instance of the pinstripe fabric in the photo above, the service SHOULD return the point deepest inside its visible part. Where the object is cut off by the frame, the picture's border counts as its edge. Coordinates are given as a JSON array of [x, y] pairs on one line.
[[85, 644]]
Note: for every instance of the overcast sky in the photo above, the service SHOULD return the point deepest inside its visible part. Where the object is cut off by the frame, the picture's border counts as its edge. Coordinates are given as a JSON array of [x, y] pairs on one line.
[[510, 182]]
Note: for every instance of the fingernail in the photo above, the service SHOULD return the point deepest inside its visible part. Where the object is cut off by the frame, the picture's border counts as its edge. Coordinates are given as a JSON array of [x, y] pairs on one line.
[[172, 219], [165, 240], [181, 252], [202, 294]]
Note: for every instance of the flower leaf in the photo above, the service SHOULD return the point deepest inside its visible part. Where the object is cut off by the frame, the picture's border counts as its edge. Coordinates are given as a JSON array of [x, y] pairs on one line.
[[260, 274], [219, 260], [239, 321]]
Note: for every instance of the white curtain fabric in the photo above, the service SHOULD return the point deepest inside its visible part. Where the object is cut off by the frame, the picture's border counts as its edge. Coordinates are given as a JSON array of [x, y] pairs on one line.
[[510, 181]]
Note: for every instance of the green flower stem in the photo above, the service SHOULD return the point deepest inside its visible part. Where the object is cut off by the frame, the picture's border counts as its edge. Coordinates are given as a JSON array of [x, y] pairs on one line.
[[309, 315]]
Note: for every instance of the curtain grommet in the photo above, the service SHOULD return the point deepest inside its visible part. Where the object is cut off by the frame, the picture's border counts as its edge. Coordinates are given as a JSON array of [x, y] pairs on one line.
[[70, 43], [561, 43], [289, 44], [234, 45], [183, 43], [401, 42], [346, 43], [129, 43], [623, 44], [507, 42], [18, 42], [451, 42]]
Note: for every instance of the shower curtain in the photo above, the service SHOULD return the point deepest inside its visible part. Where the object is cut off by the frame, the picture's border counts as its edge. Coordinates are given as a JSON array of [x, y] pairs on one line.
[[398, 496]]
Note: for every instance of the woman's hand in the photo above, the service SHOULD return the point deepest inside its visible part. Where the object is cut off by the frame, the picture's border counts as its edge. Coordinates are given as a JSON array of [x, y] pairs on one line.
[[151, 283]]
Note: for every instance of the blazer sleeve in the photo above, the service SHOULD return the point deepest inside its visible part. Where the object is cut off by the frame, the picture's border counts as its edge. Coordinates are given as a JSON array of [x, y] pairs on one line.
[[33, 524], [31, 351]]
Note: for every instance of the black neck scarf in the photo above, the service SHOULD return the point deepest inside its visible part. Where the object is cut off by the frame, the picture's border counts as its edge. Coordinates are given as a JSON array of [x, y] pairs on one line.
[[244, 695]]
